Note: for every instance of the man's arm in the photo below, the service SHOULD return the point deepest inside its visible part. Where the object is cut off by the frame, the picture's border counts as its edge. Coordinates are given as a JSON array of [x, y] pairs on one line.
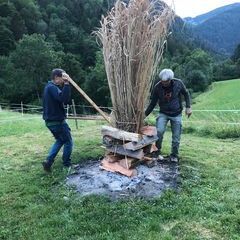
[[186, 95], [152, 103], [61, 96], [66, 78]]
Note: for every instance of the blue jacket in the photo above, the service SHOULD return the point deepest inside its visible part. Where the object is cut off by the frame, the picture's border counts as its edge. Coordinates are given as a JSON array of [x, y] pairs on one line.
[[53, 101], [169, 100]]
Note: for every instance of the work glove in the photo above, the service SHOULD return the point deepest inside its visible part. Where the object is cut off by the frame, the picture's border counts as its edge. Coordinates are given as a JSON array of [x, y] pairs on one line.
[[188, 112]]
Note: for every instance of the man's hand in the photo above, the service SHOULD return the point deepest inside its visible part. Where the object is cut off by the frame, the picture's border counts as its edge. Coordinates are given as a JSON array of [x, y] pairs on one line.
[[188, 112], [65, 78]]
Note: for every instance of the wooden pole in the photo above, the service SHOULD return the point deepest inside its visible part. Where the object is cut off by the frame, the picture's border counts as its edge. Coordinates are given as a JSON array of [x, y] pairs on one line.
[[90, 100], [22, 108], [67, 110], [74, 112]]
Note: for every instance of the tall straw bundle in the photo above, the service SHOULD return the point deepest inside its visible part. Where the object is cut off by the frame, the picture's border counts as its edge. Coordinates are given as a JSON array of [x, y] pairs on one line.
[[133, 36]]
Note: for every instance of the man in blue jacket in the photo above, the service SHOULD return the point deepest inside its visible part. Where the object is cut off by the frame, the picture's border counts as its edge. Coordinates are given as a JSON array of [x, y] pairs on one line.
[[167, 93], [57, 92]]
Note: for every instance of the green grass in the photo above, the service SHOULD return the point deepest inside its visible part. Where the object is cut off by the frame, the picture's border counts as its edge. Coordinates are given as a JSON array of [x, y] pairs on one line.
[[222, 95], [221, 124], [35, 205]]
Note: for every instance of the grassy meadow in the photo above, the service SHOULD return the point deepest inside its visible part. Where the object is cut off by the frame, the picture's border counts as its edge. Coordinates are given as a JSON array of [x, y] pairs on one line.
[[217, 111], [35, 205], [221, 95]]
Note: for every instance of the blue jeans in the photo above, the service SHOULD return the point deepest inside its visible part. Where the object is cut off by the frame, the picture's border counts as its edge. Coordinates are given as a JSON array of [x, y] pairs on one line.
[[62, 134], [176, 127]]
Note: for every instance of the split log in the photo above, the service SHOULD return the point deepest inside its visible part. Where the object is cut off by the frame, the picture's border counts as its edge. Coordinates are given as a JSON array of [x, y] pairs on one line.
[[111, 158], [128, 162], [116, 167], [120, 134], [149, 130], [125, 152], [145, 141], [153, 148]]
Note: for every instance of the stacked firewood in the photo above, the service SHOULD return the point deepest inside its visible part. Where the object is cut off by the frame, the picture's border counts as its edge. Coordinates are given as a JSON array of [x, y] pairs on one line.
[[125, 150]]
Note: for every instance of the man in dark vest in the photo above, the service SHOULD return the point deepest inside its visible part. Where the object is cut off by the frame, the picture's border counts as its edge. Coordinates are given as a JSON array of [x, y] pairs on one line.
[[167, 93], [57, 92]]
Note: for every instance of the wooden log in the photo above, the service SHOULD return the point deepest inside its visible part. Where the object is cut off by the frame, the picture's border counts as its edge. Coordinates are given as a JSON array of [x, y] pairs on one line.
[[120, 134], [153, 148], [146, 140], [148, 158], [87, 117], [116, 167], [149, 130], [111, 158], [128, 162], [124, 152]]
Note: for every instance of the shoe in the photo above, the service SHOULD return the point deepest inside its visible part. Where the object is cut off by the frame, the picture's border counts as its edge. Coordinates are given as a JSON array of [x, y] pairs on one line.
[[157, 155], [173, 159], [46, 167]]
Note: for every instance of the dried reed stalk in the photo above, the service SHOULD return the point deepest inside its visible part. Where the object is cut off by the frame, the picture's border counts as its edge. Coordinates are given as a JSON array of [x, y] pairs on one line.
[[133, 36]]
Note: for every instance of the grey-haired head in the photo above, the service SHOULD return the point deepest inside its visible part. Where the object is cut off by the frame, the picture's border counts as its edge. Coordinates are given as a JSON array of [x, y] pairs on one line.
[[166, 74], [57, 72]]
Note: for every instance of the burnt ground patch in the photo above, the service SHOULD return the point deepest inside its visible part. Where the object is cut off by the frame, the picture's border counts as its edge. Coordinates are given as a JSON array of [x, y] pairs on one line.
[[89, 179]]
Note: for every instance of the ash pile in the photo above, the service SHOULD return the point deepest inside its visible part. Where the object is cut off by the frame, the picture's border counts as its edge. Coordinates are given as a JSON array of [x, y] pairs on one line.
[[147, 184], [127, 169]]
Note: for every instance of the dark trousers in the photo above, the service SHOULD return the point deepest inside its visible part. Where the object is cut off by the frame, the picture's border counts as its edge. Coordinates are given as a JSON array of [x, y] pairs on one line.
[[62, 134]]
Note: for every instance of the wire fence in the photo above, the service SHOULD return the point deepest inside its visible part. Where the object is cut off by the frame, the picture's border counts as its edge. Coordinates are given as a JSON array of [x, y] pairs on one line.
[[199, 116], [71, 109]]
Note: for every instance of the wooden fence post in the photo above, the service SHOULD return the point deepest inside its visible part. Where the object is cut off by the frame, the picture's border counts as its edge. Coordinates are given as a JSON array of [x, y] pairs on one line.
[[22, 108], [67, 110], [74, 112]]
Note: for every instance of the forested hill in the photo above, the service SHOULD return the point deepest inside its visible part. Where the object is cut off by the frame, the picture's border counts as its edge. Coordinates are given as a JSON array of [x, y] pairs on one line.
[[38, 35], [219, 29]]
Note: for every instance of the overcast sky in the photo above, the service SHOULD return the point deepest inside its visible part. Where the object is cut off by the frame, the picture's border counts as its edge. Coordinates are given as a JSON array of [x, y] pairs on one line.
[[192, 8]]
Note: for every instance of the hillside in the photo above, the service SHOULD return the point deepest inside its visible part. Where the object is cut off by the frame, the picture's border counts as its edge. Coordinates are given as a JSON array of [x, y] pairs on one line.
[[219, 29], [221, 96]]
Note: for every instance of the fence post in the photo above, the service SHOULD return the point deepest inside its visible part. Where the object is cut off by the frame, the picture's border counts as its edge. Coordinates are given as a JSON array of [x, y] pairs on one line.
[[22, 108], [67, 110], [74, 112]]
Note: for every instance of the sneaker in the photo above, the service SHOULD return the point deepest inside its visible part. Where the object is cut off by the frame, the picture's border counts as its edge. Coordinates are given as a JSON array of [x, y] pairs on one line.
[[173, 159], [158, 155], [46, 167]]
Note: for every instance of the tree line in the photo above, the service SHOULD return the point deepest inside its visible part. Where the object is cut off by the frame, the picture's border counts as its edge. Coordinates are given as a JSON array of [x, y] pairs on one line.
[[39, 35]]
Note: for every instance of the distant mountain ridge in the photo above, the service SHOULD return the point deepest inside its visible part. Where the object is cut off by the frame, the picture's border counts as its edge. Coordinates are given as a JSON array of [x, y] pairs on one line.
[[204, 17], [219, 29]]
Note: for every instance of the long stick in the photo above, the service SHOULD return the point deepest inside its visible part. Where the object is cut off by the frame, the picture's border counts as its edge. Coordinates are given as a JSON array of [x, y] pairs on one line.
[[90, 100]]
